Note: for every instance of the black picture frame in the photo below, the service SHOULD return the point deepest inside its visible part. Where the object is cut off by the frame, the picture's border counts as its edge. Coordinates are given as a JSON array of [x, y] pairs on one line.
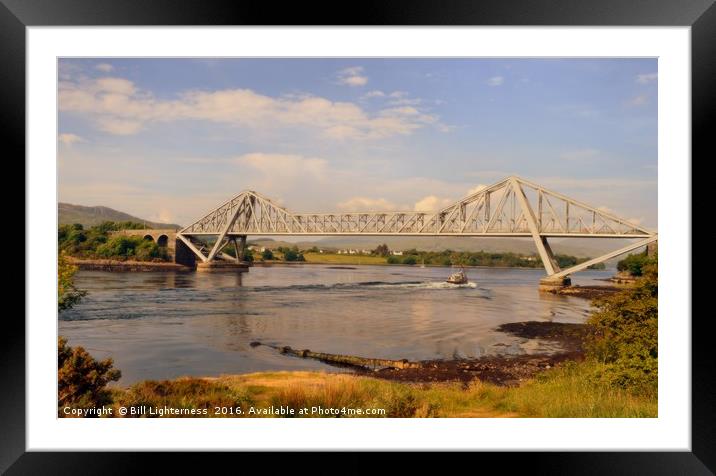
[[700, 15]]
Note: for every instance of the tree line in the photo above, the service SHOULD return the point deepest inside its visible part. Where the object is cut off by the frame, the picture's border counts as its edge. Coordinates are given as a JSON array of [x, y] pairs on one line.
[[475, 258], [97, 242]]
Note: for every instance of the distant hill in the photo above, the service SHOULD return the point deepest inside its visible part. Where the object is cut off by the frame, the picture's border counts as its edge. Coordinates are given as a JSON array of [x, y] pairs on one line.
[[90, 216]]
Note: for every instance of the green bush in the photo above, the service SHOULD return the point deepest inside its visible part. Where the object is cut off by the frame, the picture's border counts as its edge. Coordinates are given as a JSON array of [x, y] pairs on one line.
[[95, 242], [635, 264], [409, 260], [267, 254], [134, 247], [565, 261], [82, 380], [67, 294], [625, 335], [393, 260], [292, 254], [248, 255]]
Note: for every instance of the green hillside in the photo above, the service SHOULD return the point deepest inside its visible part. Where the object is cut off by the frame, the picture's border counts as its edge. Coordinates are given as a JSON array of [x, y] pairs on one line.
[[69, 214]]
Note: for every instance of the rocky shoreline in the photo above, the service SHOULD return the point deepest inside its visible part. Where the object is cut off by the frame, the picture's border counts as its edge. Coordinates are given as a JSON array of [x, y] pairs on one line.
[[589, 292], [128, 265], [499, 370]]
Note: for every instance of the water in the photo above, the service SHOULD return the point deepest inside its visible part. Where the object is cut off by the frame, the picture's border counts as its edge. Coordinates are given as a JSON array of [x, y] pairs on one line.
[[165, 325]]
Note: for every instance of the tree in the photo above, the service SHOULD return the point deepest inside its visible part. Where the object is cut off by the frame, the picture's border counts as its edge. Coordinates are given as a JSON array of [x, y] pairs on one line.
[[635, 264], [625, 333], [292, 254], [381, 250], [67, 294], [409, 260], [267, 254], [136, 247], [81, 380], [248, 254]]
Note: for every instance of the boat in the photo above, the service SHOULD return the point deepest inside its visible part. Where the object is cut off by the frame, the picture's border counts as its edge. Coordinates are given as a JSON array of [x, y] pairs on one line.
[[458, 278]]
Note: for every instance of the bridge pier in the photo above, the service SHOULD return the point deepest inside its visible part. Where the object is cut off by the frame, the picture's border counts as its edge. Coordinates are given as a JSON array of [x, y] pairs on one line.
[[222, 267], [552, 284]]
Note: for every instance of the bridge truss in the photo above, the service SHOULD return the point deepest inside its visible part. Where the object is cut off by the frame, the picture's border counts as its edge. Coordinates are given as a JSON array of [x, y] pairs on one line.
[[513, 207]]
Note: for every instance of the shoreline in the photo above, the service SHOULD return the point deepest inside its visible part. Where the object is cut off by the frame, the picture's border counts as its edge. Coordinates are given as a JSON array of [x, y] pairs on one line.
[[126, 266], [500, 370], [132, 265], [590, 291]]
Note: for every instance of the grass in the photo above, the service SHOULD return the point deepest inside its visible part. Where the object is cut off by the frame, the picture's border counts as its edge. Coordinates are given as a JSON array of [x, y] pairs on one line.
[[335, 258], [563, 392]]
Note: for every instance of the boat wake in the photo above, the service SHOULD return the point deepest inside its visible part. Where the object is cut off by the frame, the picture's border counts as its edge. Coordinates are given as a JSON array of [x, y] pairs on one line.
[[436, 285]]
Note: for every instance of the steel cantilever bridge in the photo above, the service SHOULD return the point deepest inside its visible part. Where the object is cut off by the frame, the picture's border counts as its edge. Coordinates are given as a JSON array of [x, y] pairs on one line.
[[513, 207]]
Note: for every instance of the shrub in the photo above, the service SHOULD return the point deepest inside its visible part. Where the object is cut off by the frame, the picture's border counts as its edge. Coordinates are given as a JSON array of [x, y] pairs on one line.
[[267, 254], [81, 380], [409, 260], [67, 294], [635, 264], [292, 254], [135, 247], [625, 332], [248, 255]]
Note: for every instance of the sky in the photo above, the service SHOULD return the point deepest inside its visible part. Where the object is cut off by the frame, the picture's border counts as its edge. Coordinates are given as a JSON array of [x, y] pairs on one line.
[[170, 139]]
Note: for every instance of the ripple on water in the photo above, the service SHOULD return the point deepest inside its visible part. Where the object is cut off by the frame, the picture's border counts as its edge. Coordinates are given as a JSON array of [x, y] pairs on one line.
[[145, 320]]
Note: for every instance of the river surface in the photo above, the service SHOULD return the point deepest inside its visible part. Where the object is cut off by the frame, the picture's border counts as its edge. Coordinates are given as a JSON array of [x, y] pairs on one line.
[[164, 325]]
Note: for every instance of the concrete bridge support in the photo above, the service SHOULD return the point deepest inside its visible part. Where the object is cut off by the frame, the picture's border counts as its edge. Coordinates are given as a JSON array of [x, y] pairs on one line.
[[558, 280]]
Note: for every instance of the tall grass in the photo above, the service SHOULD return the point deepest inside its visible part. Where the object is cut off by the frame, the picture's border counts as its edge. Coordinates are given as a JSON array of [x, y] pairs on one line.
[[574, 390], [565, 391]]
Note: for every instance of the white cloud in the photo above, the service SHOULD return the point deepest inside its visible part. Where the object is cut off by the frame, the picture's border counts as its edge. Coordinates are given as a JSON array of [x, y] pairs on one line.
[[117, 106], [69, 139], [406, 102], [495, 81], [120, 127], [303, 183], [374, 94], [476, 189], [119, 86], [432, 203], [639, 100], [285, 166], [647, 78], [352, 76], [362, 204], [398, 94], [104, 67]]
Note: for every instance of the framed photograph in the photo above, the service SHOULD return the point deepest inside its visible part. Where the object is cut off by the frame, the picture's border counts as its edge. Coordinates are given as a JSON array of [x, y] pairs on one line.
[[427, 228]]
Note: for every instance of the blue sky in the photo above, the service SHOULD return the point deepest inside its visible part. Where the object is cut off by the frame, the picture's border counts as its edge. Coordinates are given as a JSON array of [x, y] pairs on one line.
[[168, 139]]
